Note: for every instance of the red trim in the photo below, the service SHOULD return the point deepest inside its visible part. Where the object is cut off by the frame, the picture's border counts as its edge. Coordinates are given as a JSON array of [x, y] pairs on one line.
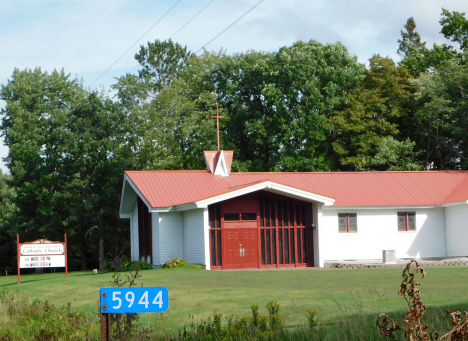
[[18, 257], [66, 257]]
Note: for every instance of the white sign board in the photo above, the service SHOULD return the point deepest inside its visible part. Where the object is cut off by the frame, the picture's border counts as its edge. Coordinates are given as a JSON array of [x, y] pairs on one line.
[[42, 261], [42, 249], [42, 253]]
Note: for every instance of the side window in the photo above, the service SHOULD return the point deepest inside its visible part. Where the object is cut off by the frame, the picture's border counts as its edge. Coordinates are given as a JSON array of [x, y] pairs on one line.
[[347, 222], [406, 221]]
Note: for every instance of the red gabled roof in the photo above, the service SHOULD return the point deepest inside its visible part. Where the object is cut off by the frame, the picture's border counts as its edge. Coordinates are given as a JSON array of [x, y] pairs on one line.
[[171, 188]]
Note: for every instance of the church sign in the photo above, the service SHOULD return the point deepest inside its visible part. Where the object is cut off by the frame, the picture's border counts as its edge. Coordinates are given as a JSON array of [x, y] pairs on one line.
[[42, 253]]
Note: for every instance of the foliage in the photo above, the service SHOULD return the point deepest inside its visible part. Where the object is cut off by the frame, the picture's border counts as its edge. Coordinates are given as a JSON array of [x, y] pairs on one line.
[[127, 265], [278, 103], [415, 330], [23, 319], [175, 263], [376, 110], [441, 118], [253, 327], [65, 159], [455, 27], [410, 38], [394, 155]]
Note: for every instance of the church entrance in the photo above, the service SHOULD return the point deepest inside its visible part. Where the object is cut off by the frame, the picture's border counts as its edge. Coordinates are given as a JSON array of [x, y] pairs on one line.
[[261, 230], [240, 248]]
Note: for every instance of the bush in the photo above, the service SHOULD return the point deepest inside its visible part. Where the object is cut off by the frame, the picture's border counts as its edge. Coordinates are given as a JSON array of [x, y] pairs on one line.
[[175, 263], [126, 265], [137, 265]]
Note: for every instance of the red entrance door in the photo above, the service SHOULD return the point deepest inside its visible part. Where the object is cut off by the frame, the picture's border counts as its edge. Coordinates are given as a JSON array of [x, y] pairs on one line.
[[240, 247]]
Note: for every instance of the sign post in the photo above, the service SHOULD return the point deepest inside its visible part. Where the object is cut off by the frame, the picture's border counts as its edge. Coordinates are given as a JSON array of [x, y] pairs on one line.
[[130, 300], [42, 253]]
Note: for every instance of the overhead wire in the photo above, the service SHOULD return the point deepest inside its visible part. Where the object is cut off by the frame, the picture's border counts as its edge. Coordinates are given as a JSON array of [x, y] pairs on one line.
[[227, 28], [182, 27], [157, 22], [218, 35]]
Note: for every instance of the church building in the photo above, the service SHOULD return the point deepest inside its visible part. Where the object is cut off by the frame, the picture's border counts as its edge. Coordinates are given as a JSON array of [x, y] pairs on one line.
[[227, 220]]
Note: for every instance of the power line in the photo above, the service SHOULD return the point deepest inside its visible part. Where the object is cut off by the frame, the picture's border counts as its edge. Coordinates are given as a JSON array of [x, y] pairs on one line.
[[191, 19], [181, 27], [227, 28], [157, 22]]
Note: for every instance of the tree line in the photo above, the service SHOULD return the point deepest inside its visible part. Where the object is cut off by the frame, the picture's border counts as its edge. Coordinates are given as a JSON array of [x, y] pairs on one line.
[[305, 107]]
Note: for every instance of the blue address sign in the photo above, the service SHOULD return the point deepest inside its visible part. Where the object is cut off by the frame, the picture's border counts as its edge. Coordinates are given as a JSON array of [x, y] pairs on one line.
[[134, 300]]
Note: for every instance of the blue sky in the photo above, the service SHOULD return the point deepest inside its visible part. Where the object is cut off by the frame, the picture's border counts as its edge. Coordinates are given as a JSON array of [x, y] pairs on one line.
[[85, 37]]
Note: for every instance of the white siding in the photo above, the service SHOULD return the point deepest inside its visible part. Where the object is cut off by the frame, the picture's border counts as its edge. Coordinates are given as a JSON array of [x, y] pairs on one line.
[[206, 232], [456, 220], [134, 247], [194, 236], [377, 231], [155, 239], [171, 236], [317, 213]]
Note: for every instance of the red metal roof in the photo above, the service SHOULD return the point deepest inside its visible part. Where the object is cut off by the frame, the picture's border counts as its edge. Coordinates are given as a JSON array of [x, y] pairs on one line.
[[171, 188]]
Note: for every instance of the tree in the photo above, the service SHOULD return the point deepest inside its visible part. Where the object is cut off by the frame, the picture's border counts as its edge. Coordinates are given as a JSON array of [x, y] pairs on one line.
[[34, 127], [455, 27], [66, 157], [278, 104], [393, 155], [410, 40], [7, 232], [161, 63], [379, 108], [441, 120], [177, 125]]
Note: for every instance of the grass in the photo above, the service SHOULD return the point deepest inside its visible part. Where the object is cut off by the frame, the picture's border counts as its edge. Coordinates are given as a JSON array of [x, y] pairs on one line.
[[336, 294]]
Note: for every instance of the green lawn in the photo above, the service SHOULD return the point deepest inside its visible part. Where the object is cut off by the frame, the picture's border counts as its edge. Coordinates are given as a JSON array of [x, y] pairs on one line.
[[195, 291]]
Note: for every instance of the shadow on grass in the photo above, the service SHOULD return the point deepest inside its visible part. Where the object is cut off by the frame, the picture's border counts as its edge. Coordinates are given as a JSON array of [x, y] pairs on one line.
[[361, 325]]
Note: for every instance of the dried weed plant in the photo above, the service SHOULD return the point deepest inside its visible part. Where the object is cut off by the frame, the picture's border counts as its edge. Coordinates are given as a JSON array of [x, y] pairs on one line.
[[415, 330]]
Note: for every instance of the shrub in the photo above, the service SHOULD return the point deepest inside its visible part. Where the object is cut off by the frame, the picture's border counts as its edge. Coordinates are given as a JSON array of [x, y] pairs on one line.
[[137, 265], [175, 263]]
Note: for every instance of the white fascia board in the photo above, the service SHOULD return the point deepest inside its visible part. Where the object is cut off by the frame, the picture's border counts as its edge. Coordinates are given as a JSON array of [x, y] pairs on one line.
[[178, 208], [122, 196], [336, 208], [137, 191], [459, 203], [125, 215], [271, 187]]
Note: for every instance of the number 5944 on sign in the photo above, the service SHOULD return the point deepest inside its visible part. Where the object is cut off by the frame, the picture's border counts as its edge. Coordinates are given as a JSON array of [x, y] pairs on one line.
[[134, 300]]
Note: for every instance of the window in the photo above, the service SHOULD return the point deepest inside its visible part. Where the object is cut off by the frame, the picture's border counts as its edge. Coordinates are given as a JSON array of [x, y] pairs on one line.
[[231, 216], [347, 222], [406, 221]]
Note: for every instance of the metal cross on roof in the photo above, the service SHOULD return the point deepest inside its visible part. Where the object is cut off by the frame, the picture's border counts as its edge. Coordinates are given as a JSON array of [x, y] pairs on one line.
[[217, 122]]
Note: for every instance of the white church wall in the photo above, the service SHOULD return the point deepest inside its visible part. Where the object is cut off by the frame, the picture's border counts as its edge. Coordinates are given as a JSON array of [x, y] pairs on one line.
[[456, 219], [194, 236], [155, 239], [134, 247], [377, 230], [171, 237], [317, 217], [206, 232]]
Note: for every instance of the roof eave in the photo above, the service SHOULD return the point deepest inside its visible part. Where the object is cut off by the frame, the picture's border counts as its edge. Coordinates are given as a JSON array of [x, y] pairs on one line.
[[459, 203], [271, 187]]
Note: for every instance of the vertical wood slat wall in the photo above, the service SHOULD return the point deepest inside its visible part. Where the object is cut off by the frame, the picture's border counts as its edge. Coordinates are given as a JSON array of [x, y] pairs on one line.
[[216, 251], [145, 242], [285, 232]]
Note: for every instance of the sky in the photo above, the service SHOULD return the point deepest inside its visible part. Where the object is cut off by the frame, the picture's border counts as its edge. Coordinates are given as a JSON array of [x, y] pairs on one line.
[[86, 37]]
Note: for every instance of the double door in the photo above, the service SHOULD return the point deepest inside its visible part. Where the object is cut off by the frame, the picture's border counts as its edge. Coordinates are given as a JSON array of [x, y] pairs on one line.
[[240, 248]]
